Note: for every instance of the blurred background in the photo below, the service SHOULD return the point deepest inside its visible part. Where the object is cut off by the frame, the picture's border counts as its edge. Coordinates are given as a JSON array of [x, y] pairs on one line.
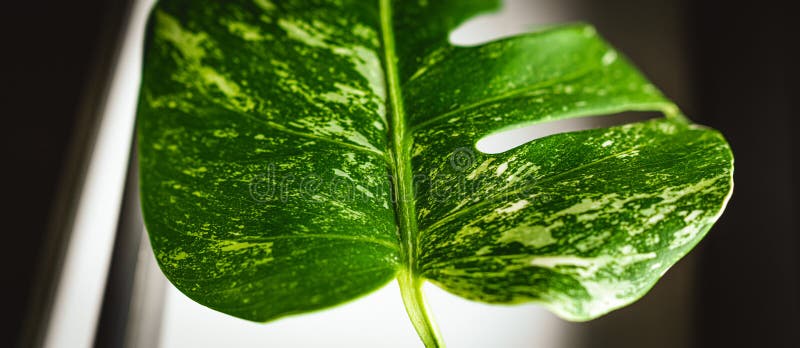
[[76, 273]]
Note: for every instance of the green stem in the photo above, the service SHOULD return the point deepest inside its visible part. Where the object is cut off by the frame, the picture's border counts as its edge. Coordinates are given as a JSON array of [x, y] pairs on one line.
[[417, 309], [400, 151]]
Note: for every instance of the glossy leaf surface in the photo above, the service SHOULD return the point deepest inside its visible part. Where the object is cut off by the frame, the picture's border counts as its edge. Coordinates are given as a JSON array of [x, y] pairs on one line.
[[298, 154]]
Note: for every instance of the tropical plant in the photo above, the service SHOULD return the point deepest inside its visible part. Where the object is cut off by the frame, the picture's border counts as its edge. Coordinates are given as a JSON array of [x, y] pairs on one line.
[[295, 155]]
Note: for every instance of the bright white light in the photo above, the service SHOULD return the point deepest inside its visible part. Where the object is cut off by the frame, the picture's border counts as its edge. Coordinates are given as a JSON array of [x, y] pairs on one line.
[[82, 280], [376, 320], [515, 17], [503, 141]]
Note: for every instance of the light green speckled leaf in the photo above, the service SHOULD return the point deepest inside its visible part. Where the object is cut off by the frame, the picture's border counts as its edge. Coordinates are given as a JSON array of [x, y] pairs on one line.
[[298, 154]]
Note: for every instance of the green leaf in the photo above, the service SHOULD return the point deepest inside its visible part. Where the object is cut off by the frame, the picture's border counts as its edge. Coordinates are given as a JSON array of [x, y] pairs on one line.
[[298, 154]]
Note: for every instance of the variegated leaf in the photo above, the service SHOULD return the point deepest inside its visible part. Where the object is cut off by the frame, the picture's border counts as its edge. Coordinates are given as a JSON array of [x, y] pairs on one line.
[[298, 154]]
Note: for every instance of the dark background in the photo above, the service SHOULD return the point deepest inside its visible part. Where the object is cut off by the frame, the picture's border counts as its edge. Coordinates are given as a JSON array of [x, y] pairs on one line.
[[732, 67], [56, 58]]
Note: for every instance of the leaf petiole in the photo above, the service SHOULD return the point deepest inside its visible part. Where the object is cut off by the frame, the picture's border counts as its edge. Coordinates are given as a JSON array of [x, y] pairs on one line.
[[417, 309]]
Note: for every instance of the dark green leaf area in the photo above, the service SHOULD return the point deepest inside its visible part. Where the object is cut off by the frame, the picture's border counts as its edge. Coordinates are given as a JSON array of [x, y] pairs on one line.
[[264, 175], [236, 219], [422, 28], [571, 64], [583, 222], [263, 62], [600, 82]]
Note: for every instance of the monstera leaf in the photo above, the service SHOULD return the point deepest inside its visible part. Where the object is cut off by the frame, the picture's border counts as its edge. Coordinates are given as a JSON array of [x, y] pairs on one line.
[[298, 154]]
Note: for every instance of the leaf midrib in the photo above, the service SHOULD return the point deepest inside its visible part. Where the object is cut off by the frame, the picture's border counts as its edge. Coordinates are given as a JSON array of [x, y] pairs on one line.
[[398, 150], [408, 277]]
